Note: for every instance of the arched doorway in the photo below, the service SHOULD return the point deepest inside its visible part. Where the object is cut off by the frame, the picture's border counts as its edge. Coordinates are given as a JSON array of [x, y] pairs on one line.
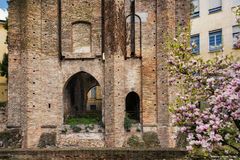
[[77, 99], [133, 106]]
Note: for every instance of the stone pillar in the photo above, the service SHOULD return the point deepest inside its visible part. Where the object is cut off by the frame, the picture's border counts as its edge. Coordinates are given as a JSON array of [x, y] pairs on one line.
[[114, 48], [165, 27]]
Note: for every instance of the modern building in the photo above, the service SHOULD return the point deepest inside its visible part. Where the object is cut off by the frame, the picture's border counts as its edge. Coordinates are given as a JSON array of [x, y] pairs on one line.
[[214, 28], [3, 50]]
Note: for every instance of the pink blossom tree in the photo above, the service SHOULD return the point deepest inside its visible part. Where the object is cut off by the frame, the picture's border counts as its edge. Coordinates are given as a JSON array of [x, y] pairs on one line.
[[207, 108]]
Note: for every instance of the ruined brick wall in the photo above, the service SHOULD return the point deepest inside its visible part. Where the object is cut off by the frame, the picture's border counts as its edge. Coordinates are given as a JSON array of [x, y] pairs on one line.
[[49, 43], [37, 79]]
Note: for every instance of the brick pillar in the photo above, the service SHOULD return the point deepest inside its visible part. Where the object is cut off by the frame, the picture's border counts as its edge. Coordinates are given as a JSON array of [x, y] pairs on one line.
[[44, 91], [114, 48], [16, 70], [165, 27]]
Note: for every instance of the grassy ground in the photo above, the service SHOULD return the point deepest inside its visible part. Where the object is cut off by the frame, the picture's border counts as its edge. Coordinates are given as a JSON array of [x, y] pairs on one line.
[[85, 119]]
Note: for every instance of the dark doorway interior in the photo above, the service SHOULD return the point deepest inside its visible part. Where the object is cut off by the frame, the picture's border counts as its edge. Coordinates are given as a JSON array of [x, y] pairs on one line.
[[76, 99], [133, 106]]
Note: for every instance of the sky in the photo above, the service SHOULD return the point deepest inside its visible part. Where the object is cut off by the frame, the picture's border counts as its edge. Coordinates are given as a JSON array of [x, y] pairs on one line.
[[3, 4], [3, 9]]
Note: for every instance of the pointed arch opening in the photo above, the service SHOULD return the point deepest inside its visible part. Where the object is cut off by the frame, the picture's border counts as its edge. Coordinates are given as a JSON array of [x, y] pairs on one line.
[[82, 100]]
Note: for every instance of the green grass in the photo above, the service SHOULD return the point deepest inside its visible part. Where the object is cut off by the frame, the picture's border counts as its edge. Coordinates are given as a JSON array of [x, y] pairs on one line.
[[86, 119]]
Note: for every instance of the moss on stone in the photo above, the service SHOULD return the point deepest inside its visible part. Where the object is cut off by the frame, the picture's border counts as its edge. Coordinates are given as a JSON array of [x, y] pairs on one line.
[[47, 140], [135, 142], [11, 139], [151, 140], [181, 141]]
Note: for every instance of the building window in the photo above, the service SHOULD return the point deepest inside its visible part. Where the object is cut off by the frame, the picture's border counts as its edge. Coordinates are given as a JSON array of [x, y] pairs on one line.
[[236, 2], [236, 37], [195, 44], [93, 107], [195, 9], [215, 6], [215, 40]]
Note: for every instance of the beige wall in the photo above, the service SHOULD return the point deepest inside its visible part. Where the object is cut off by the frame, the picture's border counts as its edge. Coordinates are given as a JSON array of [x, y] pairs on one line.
[[3, 49], [206, 22]]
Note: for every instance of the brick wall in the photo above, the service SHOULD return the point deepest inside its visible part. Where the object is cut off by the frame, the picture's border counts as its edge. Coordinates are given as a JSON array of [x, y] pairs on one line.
[[38, 75]]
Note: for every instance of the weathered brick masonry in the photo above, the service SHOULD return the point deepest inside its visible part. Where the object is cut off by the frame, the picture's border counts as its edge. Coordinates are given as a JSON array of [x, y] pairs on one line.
[[50, 41]]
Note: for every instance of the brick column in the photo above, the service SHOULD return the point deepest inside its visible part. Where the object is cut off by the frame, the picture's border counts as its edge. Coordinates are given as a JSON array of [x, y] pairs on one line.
[[165, 27], [16, 70], [114, 48]]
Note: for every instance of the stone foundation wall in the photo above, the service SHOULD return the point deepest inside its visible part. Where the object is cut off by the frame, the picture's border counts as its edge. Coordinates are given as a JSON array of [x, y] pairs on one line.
[[81, 140]]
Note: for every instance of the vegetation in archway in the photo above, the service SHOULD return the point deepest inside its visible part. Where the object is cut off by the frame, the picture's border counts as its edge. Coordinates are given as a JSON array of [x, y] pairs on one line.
[[79, 110], [85, 119]]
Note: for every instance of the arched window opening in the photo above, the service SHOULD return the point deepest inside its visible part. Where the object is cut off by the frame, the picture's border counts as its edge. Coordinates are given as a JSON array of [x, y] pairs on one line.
[[133, 107], [134, 35]]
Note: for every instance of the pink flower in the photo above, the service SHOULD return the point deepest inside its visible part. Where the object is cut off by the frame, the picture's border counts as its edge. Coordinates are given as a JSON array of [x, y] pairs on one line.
[[189, 148]]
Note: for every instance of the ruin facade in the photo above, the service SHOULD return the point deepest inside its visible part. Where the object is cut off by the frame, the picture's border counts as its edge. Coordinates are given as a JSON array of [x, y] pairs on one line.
[[61, 49]]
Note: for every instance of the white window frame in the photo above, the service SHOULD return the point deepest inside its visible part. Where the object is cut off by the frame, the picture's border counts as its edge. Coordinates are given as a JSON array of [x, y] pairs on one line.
[[215, 48], [196, 8], [215, 7]]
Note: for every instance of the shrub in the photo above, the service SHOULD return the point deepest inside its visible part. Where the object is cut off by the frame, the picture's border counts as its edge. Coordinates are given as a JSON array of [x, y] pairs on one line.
[[134, 141], [11, 138], [47, 139], [85, 119], [127, 123]]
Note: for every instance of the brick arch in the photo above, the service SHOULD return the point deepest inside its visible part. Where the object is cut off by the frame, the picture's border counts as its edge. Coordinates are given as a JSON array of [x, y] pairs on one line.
[[97, 74], [72, 76]]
